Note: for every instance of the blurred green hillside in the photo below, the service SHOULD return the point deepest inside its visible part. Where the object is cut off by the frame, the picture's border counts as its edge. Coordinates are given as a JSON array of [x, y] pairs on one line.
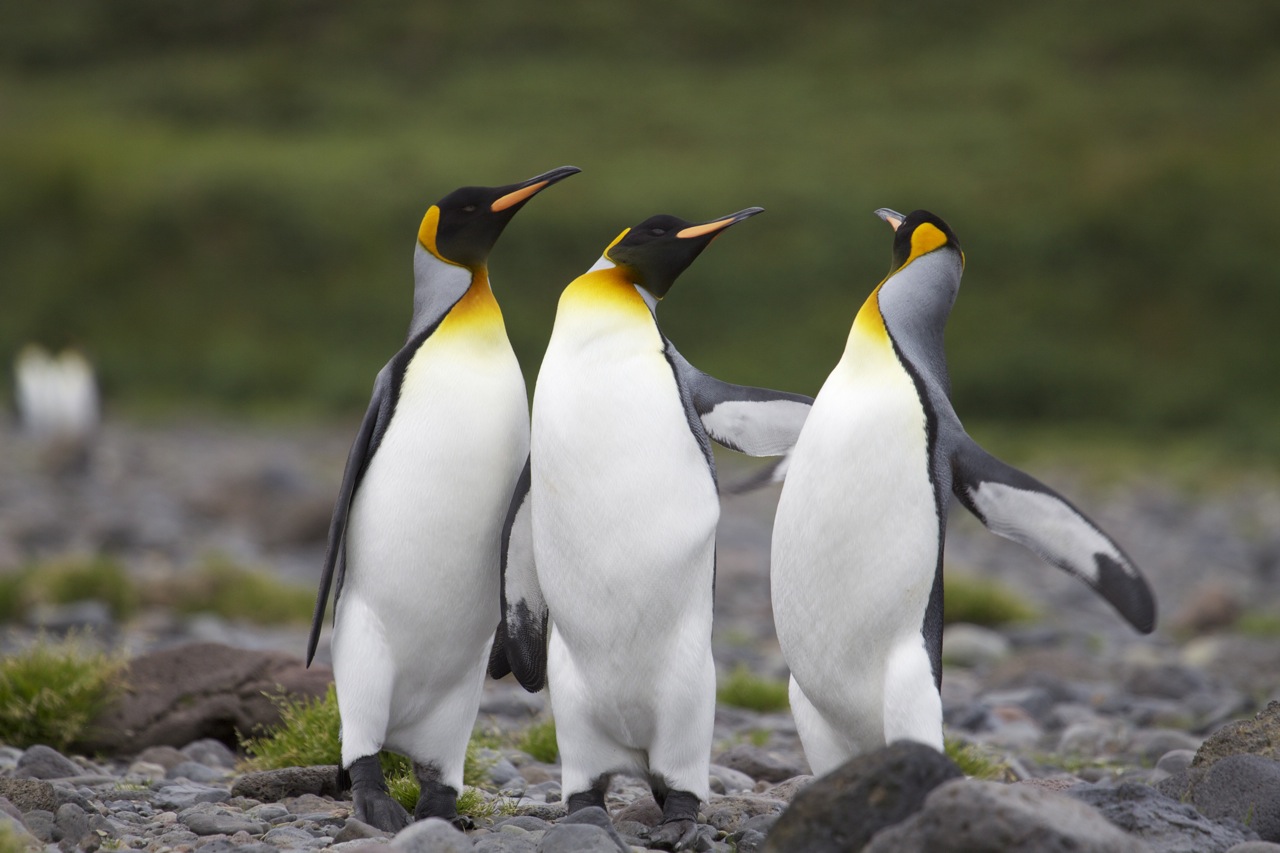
[[218, 200]]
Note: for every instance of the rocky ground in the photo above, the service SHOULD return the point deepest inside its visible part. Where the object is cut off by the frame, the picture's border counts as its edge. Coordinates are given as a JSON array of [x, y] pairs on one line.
[[1109, 740]]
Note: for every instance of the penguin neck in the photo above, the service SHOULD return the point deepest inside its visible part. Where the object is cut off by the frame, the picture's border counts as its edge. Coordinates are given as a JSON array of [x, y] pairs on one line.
[[606, 293], [441, 287]]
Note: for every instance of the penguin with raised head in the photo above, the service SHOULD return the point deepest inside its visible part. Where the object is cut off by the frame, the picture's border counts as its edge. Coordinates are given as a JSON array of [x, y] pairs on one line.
[[413, 549], [611, 533], [856, 574]]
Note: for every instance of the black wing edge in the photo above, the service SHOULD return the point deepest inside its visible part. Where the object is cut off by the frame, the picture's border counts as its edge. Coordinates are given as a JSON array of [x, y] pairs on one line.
[[335, 556], [520, 641], [1121, 584]]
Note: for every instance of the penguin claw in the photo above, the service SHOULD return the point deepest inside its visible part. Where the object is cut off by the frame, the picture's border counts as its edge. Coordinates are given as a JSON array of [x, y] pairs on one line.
[[377, 808]]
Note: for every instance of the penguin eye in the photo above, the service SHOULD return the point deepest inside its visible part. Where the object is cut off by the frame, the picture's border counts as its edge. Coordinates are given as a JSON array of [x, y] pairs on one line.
[[657, 232], [468, 208]]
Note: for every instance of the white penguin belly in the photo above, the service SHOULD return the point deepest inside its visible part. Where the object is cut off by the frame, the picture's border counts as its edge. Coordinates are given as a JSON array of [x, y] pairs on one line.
[[624, 512], [855, 540], [425, 528]]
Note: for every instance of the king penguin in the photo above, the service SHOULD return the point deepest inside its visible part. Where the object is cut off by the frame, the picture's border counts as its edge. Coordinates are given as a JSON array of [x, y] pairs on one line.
[[416, 531], [611, 532], [856, 567]]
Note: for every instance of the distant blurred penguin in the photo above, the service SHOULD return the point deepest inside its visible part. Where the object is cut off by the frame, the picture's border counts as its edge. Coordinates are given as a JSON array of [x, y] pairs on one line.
[[856, 571], [57, 399], [611, 535], [413, 554]]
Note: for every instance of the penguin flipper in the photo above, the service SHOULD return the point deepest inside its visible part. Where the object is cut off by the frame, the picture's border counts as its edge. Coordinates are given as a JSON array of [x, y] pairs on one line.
[[1015, 505], [750, 420], [335, 557], [520, 644]]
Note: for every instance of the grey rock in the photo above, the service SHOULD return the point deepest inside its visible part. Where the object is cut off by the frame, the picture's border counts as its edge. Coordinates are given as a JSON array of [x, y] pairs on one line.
[[45, 762], [749, 841], [194, 771], [1151, 744], [200, 690], [288, 836], [1101, 737], [269, 812], [505, 843], [970, 816], [10, 809], [29, 794], [730, 781], [221, 823], [167, 757], [528, 823], [787, 790], [1259, 736], [432, 835], [1255, 847], [1165, 824], [1244, 787], [354, 829], [210, 753], [548, 812], [271, 786], [226, 845], [186, 794], [9, 756], [759, 763], [1175, 761], [644, 811], [43, 825], [972, 645], [577, 838], [503, 771], [731, 811], [1166, 680], [595, 816], [73, 822], [91, 616], [844, 809]]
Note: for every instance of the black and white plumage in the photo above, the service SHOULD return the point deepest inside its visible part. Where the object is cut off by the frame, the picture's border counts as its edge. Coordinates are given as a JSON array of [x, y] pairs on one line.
[[856, 572], [413, 551], [610, 553]]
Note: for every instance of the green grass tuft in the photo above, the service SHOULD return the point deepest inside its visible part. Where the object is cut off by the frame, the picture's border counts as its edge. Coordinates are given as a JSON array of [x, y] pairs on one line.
[[51, 692], [65, 580], [1258, 624], [539, 741], [10, 842], [744, 689], [973, 761], [234, 592], [306, 736], [983, 602]]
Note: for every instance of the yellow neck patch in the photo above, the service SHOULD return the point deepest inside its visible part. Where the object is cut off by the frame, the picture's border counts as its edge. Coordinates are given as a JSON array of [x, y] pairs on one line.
[[476, 314], [869, 324], [616, 241], [604, 290]]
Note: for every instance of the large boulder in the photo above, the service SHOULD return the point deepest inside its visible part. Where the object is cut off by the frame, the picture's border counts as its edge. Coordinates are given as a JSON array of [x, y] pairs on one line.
[[971, 816], [1166, 824], [1259, 736], [845, 808], [1244, 787], [201, 690]]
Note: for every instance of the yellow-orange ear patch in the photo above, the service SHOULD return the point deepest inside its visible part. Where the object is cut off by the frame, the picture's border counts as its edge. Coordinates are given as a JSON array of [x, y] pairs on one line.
[[427, 230], [616, 241], [925, 239]]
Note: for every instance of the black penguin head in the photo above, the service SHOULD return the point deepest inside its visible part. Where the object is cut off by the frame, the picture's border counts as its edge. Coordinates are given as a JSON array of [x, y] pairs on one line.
[[916, 234], [657, 250], [464, 225]]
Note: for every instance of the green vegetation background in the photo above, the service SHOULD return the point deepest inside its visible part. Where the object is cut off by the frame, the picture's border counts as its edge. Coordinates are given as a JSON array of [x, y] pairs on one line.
[[218, 200]]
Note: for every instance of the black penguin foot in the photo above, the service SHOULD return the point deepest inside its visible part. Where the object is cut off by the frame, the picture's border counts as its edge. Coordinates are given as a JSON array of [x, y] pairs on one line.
[[373, 804], [436, 799], [593, 796], [679, 827]]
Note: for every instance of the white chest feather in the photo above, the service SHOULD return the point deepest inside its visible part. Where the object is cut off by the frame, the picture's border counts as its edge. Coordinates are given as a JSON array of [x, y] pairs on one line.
[[427, 517], [623, 504], [856, 536]]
